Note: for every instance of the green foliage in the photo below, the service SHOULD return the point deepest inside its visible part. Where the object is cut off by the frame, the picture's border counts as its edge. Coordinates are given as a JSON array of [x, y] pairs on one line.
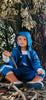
[[19, 15]]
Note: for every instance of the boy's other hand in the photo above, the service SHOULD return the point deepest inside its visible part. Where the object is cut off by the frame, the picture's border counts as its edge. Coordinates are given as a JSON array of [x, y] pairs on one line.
[[6, 53], [40, 72]]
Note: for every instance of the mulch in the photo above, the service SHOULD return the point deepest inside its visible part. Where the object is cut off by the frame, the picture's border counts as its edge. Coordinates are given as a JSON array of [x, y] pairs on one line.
[[30, 94]]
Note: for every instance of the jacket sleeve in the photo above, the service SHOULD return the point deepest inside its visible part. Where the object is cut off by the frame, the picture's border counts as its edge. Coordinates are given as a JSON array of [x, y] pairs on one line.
[[14, 56], [35, 61]]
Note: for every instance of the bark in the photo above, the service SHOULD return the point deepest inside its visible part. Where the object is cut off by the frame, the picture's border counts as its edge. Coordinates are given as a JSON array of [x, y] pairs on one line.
[[43, 30]]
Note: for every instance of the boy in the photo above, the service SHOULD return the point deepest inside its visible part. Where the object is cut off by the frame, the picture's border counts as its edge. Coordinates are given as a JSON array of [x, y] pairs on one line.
[[28, 69]]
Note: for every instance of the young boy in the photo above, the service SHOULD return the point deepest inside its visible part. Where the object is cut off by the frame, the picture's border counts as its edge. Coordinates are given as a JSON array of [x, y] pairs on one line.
[[28, 69]]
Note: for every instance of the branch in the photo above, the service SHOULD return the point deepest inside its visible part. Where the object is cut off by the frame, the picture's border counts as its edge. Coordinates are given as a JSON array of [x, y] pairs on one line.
[[10, 57], [2, 38], [10, 18], [3, 28], [37, 43], [12, 85], [19, 91]]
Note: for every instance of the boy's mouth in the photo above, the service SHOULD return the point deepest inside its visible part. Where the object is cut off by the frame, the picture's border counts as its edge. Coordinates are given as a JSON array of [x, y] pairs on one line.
[[22, 43]]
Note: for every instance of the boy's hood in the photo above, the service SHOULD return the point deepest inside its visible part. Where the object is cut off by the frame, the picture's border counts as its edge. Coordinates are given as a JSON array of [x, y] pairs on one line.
[[27, 34]]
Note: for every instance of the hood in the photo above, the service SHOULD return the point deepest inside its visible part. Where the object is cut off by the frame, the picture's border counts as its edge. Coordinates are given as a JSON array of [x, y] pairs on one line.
[[27, 34]]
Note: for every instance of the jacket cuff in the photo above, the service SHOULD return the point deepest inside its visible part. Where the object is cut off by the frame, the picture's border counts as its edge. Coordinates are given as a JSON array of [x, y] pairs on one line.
[[39, 69], [5, 59]]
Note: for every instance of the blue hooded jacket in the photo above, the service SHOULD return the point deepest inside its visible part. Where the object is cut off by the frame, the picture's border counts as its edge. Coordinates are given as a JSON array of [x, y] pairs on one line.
[[33, 58], [28, 64]]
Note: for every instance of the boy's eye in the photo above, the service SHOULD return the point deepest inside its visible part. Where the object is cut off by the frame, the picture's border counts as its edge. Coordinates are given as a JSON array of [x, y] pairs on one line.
[[19, 38], [24, 39]]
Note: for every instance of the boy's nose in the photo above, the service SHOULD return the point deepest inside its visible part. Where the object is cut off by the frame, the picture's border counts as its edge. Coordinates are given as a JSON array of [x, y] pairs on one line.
[[22, 40]]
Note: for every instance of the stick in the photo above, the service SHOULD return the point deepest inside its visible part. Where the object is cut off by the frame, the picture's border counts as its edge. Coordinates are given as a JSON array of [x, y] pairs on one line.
[[19, 91], [12, 85], [10, 57]]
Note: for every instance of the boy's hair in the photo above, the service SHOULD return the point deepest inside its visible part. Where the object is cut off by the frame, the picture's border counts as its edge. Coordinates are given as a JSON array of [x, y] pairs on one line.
[[17, 36]]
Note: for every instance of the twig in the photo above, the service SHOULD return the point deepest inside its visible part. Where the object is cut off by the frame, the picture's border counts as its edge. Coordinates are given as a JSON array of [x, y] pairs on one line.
[[19, 91], [12, 85], [37, 43], [14, 94], [10, 57], [10, 18], [4, 84]]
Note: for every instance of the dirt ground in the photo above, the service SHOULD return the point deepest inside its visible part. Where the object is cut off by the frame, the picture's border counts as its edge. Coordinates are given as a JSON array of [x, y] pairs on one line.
[[30, 94]]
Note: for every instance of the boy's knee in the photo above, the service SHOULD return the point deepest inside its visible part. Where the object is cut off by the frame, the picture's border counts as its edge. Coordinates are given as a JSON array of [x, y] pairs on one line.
[[6, 69], [9, 73]]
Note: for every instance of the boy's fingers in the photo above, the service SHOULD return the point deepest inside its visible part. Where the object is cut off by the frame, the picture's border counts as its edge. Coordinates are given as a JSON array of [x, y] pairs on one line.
[[40, 72], [6, 53]]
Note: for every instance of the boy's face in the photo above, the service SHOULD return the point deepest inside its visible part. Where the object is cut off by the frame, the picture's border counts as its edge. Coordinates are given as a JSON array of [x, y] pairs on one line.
[[22, 41]]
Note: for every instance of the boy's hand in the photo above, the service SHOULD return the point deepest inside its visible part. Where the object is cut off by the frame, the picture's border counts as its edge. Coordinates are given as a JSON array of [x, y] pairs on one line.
[[6, 53], [40, 71]]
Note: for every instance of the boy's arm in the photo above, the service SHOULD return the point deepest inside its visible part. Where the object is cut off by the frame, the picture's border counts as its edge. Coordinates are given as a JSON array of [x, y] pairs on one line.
[[40, 71], [35, 61], [14, 56]]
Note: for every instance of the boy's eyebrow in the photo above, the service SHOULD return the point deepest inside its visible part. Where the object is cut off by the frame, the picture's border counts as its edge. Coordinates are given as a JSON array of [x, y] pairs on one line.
[[20, 35]]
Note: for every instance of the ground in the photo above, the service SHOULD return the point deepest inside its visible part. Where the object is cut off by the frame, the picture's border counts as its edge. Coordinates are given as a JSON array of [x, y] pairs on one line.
[[11, 94]]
